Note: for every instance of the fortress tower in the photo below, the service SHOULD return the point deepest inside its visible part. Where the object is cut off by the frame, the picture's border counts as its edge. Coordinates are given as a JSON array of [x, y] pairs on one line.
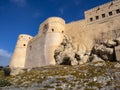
[[19, 55], [54, 36], [40, 50]]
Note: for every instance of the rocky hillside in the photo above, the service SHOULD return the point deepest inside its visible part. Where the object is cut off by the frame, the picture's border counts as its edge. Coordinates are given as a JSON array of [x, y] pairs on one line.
[[75, 69], [90, 76]]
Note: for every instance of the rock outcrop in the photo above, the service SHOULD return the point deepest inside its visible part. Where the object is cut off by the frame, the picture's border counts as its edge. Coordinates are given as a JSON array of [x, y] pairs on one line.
[[67, 53], [108, 50]]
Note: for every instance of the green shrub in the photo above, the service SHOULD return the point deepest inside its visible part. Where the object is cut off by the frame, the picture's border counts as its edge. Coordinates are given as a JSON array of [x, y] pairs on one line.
[[4, 83], [7, 71], [1, 67]]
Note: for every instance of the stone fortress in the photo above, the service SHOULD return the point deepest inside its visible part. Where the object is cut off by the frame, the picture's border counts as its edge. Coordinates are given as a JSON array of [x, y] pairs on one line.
[[39, 50]]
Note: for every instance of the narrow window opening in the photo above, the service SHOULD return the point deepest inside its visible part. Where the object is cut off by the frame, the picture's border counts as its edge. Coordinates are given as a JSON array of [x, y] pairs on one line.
[[62, 31], [24, 44], [97, 17], [91, 19], [118, 11], [52, 30], [103, 15], [110, 13]]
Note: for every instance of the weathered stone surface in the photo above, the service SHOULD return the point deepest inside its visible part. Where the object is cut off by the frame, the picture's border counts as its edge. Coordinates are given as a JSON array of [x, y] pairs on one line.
[[65, 53], [117, 53], [97, 59], [74, 62], [84, 59], [103, 52], [16, 71], [118, 40], [110, 43], [70, 54], [117, 65]]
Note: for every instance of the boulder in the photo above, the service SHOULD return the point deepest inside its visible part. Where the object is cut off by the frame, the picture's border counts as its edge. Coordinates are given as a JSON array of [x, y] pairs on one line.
[[16, 71], [117, 40], [110, 43], [103, 52], [96, 59], [117, 53], [117, 65], [74, 62], [84, 59]]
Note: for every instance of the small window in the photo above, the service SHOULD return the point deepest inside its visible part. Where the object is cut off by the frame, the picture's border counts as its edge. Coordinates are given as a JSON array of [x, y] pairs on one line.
[[29, 38], [110, 13], [103, 15], [97, 17], [24, 44], [52, 30], [91, 19], [118, 11], [62, 31]]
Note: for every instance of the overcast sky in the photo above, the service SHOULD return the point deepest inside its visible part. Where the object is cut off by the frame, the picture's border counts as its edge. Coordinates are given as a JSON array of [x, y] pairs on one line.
[[24, 17]]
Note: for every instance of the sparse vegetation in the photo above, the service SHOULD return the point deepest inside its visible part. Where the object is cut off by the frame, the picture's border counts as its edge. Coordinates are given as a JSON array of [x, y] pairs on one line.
[[61, 76], [7, 71], [4, 83]]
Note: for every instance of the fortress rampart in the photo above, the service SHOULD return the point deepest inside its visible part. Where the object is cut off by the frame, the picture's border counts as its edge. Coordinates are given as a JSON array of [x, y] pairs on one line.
[[41, 47], [39, 50]]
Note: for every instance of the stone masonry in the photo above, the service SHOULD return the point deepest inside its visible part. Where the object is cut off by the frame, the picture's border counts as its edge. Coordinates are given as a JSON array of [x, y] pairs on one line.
[[39, 50]]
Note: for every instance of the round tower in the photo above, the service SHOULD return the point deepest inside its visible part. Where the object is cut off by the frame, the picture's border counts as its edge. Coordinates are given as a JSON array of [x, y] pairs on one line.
[[53, 29], [19, 55]]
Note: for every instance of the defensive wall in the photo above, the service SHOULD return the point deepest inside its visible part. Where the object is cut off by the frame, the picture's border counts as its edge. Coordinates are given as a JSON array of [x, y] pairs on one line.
[[39, 50], [41, 47]]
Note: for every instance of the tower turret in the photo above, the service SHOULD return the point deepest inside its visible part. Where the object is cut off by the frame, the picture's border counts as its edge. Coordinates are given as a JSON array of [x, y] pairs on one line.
[[19, 55], [54, 29]]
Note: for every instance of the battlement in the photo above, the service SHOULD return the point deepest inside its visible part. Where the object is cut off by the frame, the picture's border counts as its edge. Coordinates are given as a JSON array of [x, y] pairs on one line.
[[103, 11], [52, 24], [23, 40], [24, 37]]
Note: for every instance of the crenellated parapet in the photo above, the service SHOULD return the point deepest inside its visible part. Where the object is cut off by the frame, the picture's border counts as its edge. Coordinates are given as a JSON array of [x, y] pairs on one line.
[[52, 24]]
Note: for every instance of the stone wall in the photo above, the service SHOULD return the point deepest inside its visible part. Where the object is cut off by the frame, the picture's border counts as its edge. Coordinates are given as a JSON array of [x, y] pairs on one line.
[[103, 12], [40, 50], [35, 52], [100, 22]]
